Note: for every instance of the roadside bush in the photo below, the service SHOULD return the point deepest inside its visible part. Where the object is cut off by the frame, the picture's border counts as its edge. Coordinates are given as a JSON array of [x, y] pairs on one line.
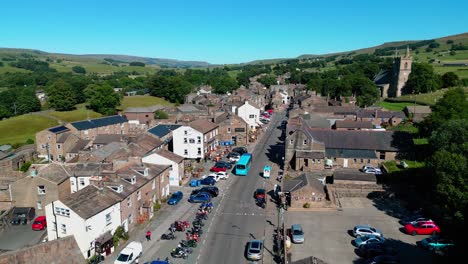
[[118, 235], [157, 206], [306, 205]]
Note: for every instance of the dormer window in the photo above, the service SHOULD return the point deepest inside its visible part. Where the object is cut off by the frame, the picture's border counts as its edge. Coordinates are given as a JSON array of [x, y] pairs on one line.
[[144, 171], [305, 141], [117, 189], [131, 180]]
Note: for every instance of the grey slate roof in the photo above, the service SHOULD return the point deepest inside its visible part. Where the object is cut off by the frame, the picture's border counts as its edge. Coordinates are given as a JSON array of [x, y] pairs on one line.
[[104, 139], [353, 124], [91, 200], [310, 155], [54, 172], [352, 175], [379, 113], [99, 122], [203, 125], [418, 109], [63, 137], [149, 109], [170, 155], [383, 77], [302, 181], [351, 153], [80, 145], [162, 130]]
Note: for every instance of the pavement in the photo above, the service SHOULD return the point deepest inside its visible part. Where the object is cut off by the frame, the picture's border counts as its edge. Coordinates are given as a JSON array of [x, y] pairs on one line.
[[234, 221]]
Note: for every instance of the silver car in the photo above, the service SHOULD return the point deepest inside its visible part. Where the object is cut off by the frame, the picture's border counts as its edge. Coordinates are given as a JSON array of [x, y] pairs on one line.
[[255, 250], [364, 230], [297, 235]]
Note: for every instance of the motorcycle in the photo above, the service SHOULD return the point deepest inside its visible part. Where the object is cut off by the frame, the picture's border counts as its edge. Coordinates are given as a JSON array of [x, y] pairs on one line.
[[189, 243], [187, 249], [179, 253], [201, 216], [169, 236], [196, 230]]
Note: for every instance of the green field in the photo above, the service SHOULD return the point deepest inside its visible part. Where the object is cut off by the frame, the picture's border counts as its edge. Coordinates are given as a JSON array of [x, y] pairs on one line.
[[142, 101], [20, 128], [426, 98], [394, 106], [81, 113]]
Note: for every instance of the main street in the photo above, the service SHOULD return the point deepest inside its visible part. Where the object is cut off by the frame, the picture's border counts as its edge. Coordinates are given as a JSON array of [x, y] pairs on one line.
[[239, 219]]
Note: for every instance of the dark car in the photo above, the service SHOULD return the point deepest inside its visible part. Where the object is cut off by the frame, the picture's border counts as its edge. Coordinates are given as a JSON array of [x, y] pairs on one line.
[[223, 163], [16, 220], [208, 181], [240, 150], [200, 198], [212, 190], [233, 154], [384, 259], [260, 194], [374, 249], [175, 198]]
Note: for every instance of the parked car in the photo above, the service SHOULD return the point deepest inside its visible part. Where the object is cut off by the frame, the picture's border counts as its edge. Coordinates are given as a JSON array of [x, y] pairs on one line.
[[175, 198], [218, 169], [211, 190], [15, 220], [270, 111], [364, 230], [130, 253], [233, 157], [365, 167], [415, 220], [201, 197], [40, 223], [373, 171], [297, 235], [240, 150], [255, 250], [434, 243], [260, 193], [219, 175], [384, 259], [223, 163], [369, 239], [208, 181], [422, 228], [373, 250]]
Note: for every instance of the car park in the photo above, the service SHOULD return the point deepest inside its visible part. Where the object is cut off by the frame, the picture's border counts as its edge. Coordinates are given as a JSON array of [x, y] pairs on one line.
[[369, 239], [240, 150], [364, 230], [435, 243], [39, 223], [208, 181], [175, 198], [130, 253], [422, 228], [201, 197], [297, 234], [255, 250]]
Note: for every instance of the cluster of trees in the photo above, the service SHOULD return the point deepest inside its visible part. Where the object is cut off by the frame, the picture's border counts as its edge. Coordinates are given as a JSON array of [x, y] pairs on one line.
[[18, 101], [137, 63], [33, 65], [388, 51], [423, 79]]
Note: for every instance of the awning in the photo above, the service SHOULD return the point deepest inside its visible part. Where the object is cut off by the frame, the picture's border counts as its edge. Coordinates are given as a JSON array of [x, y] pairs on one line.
[[104, 238]]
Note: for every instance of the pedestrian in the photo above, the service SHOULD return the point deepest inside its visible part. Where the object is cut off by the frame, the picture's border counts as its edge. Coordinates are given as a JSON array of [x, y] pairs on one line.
[[148, 235]]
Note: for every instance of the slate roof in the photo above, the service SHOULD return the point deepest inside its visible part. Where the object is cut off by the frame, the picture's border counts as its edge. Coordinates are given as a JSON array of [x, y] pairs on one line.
[[79, 145], [380, 114], [99, 122], [63, 137], [3, 155], [203, 125], [170, 155], [59, 129], [337, 110], [187, 108], [351, 153], [352, 175], [104, 139], [353, 124], [300, 182], [310, 155], [146, 142], [107, 150], [361, 139], [149, 109], [55, 173], [85, 169], [91, 200], [61, 250], [162, 130], [383, 77]]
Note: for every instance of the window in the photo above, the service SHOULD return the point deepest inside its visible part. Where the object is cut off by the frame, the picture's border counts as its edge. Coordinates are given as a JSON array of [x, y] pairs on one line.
[[313, 161], [318, 161], [153, 184], [64, 228], [185, 132], [59, 146], [229, 130], [185, 140], [355, 160], [382, 155], [48, 137], [129, 202], [146, 115], [198, 140], [192, 140], [291, 141], [199, 151], [368, 161], [305, 142], [130, 218], [62, 211], [362, 160], [251, 116], [108, 219], [41, 190], [138, 195], [39, 205], [82, 182], [42, 146], [154, 198], [306, 162], [185, 152]]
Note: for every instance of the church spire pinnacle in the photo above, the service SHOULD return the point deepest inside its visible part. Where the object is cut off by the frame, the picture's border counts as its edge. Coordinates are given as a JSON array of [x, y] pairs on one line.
[[407, 55]]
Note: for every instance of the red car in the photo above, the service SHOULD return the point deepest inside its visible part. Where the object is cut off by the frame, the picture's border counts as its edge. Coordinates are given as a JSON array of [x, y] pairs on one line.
[[422, 228], [40, 223], [270, 111], [260, 194], [218, 169]]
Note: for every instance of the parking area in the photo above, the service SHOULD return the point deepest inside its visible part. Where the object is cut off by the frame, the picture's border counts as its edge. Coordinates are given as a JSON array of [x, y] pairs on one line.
[[327, 233], [18, 236]]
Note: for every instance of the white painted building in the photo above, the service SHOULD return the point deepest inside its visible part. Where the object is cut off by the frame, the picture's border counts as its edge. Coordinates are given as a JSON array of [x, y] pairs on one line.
[[90, 215], [195, 140], [165, 157], [284, 97], [249, 113]]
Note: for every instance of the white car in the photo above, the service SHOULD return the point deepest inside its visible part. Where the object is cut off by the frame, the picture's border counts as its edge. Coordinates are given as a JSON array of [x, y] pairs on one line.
[[130, 253], [373, 171], [220, 175], [365, 230], [234, 159]]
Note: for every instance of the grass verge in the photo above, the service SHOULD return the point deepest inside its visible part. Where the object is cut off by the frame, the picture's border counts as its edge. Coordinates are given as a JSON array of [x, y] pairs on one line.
[[20, 128]]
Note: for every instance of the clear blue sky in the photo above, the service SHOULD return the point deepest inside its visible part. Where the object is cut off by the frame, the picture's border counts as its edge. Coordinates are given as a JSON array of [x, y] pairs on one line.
[[223, 31]]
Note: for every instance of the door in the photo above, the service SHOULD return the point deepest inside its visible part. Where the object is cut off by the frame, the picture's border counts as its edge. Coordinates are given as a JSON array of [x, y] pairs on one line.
[[345, 163]]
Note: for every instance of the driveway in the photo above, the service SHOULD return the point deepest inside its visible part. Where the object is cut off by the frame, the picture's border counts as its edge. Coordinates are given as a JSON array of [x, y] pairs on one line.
[[327, 233], [16, 237]]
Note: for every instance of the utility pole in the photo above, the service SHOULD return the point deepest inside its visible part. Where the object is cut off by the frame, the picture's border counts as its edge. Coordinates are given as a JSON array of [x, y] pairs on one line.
[[48, 154]]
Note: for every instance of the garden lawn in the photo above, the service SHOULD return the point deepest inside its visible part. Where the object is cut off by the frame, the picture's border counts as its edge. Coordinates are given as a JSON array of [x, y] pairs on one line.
[[142, 101], [81, 113], [394, 106], [20, 128]]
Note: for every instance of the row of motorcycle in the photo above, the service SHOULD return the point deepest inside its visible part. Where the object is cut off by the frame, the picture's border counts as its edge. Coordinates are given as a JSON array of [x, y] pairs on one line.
[[185, 247]]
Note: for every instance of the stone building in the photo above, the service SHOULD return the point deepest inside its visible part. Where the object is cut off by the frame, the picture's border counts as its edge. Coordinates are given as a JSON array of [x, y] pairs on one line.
[[11, 162], [233, 130], [141, 115], [391, 83]]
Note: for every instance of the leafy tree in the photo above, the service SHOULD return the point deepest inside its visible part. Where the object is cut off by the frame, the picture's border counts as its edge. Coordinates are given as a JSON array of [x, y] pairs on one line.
[[422, 79], [61, 96], [223, 84], [1, 63], [137, 63], [267, 80], [449, 41], [449, 79], [434, 45], [160, 114], [102, 98], [79, 69]]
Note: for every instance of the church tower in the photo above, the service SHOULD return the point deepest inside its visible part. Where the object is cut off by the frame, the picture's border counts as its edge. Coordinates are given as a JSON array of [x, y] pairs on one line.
[[401, 72]]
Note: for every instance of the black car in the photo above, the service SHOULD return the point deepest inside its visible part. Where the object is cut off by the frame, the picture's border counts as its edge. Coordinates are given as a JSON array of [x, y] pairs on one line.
[[240, 150], [223, 164], [385, 259], [233, 154], [15, 221], [374, 250], [212, 190]]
